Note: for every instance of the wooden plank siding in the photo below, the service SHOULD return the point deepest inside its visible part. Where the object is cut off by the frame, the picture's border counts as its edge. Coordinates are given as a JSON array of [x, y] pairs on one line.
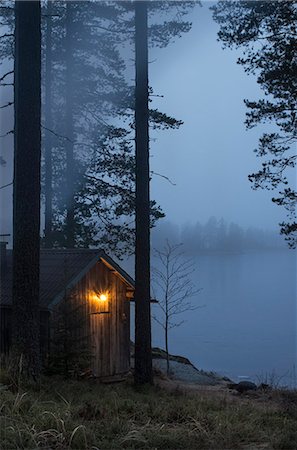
[[101, 329], [109, 322], [105, 325]]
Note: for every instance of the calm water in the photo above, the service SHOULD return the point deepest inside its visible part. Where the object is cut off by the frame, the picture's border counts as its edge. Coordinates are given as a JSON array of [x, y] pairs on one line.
[[247, 327]]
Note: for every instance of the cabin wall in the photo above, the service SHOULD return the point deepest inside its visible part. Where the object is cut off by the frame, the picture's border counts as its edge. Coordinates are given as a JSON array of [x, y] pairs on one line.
[[104, 325], [99, 331]]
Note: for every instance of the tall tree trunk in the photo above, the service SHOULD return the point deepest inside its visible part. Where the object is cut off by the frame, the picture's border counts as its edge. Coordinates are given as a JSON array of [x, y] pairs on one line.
[[70, 191], [49, 124], [26, 191], [143, 352]]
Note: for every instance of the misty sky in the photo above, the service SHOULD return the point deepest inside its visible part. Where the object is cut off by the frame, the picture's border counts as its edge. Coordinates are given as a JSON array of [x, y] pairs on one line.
[[211, 155]]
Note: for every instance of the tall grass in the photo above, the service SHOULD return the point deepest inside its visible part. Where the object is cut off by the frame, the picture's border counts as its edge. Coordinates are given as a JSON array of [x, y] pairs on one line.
[[87, 415]]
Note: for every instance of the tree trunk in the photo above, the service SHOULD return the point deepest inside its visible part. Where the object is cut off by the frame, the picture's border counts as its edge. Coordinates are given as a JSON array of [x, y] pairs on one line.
[[26, 191], [49, 124], [143, 352], [166, 346], [70, 221], [166, 311]]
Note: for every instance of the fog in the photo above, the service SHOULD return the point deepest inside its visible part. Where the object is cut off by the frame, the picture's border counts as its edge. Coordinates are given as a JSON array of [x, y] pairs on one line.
[[200, 180], [210, 157], [216, 236]]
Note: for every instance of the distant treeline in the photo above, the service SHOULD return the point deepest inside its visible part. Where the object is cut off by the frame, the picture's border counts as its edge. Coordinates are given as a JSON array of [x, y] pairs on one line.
[[216, 235]]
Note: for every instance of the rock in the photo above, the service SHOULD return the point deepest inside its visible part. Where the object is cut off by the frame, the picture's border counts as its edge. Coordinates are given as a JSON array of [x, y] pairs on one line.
[[265, 387], [243, 386], [158, 353], [181, 369], [186, 373]]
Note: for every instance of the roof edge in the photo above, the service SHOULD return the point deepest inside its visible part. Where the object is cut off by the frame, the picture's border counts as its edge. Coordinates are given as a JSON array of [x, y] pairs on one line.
[[108, 261], [111, 264]]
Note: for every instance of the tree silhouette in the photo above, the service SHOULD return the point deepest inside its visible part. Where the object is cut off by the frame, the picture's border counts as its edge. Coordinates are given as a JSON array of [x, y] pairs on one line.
[[267, 33], [174, 288], [26, 189], [143, 352], [161, 36], [48, 162]]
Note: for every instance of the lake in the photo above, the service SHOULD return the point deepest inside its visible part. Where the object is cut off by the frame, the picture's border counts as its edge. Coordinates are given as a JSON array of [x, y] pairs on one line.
[[247, 326]]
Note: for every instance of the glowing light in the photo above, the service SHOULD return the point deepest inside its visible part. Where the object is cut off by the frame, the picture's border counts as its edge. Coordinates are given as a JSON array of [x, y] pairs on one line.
[[102, 297]]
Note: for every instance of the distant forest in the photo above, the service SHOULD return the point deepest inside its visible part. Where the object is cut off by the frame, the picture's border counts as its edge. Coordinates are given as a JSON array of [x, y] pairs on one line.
[[216, 235]]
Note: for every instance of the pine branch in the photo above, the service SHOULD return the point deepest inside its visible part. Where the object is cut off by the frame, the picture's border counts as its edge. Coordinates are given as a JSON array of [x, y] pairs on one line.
[[163, 176], [60, 136], [6, 134], [6, 185], [7, 104], [3, 36]]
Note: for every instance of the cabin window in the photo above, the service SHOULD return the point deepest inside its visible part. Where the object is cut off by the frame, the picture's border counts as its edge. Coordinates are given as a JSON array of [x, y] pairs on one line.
[[100, 301]]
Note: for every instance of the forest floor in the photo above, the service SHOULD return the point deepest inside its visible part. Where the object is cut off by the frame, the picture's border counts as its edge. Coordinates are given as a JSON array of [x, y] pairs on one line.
[[84, 414]]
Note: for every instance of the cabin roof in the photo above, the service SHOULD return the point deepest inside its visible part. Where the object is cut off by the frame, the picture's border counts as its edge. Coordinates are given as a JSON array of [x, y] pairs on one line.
[[60, 269]]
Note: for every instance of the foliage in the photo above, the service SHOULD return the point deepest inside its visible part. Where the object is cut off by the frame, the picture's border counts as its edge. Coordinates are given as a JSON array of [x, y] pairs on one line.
[[267, 33], [101, 151], [6, 74], [85, 414], [103, 121], [70, 354], [103, 128]]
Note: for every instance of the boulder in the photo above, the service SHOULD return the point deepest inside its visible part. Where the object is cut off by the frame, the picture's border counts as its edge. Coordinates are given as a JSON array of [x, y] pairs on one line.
[[243, 386]]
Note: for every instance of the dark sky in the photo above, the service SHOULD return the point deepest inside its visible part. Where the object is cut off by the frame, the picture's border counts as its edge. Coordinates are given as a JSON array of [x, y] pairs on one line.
[[210, 156]]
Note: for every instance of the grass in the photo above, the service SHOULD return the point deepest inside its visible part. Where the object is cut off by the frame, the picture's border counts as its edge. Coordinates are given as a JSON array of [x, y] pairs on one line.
[[86, 415]]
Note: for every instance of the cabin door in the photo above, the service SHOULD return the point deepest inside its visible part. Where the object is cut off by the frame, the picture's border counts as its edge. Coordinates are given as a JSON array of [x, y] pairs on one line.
[[101, 345]]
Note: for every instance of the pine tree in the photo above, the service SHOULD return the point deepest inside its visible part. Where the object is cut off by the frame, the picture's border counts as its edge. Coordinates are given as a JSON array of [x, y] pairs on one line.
[[103, 127], [26, 192], [95, 201], [48, 164], [100, 164], [143, 352], [143, 355], [267, 33]]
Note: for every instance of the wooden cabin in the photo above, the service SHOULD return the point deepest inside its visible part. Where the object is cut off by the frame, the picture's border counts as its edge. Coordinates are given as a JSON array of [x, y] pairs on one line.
[[84, 294]]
